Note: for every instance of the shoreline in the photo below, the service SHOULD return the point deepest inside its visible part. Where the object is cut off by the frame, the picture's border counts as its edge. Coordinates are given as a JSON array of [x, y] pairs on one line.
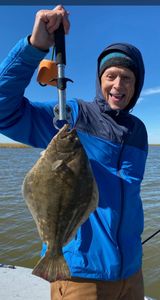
[[18, 145], [13, 145]]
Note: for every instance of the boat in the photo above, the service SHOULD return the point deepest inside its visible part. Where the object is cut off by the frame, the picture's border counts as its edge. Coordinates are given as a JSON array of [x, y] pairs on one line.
[[17, 283]]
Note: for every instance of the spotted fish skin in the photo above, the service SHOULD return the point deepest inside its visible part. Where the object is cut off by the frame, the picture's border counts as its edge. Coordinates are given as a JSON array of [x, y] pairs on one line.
[[60, 192]]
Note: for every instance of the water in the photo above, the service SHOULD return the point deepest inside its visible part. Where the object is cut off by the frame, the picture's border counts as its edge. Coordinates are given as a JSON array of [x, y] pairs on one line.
[[151, 203], [19, 240]]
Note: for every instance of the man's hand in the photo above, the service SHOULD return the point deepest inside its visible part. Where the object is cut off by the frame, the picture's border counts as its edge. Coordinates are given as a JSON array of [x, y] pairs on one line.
[[46, 22]]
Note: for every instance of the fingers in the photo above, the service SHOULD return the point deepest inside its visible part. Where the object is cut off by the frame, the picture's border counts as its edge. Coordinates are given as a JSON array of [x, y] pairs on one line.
[[54, 17], [46, 22], [66, 23]]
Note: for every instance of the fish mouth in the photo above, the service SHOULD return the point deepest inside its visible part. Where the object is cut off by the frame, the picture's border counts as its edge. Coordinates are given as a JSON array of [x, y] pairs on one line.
[[66, 131], [65, 128]]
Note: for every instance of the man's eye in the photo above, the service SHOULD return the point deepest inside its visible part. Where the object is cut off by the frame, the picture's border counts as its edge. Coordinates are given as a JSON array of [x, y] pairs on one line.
[[110, 76], [127, 79]]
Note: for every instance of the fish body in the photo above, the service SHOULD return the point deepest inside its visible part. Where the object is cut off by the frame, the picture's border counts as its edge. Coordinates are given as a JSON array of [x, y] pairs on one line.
[[60, 192]]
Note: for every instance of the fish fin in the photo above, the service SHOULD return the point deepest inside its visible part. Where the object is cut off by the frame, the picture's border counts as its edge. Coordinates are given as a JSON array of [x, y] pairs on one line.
[[52, 268]]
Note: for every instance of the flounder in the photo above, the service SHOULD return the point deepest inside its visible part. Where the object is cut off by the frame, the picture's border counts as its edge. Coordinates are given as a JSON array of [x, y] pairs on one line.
[[60, 192]]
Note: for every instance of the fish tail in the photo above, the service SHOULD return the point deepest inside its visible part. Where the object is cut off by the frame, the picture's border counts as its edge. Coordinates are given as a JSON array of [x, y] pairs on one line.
[[52, 268]]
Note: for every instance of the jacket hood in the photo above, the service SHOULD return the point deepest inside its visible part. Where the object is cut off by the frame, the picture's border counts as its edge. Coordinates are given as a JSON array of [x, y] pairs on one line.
[[136, 56]]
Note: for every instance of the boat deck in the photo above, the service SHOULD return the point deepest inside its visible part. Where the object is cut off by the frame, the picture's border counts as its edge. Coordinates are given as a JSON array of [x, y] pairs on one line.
[[19, 283]]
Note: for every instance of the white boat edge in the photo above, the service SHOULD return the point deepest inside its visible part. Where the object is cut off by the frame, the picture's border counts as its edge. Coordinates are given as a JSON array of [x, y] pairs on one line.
[[19, 283]]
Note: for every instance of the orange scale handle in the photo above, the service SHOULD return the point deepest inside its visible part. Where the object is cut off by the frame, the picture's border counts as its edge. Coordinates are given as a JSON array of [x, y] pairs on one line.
[[47, 71]]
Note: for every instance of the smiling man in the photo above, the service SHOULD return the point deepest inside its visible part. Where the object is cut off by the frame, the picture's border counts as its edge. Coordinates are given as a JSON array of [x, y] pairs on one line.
[[105, 256], [121, 72], [118, 85]]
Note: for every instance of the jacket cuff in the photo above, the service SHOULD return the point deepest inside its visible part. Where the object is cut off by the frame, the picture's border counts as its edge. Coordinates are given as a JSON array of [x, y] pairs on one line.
[[29, 54]]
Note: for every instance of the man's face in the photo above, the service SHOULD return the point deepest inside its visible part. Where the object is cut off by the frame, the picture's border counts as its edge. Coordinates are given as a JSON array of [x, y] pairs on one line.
[[118, 86]]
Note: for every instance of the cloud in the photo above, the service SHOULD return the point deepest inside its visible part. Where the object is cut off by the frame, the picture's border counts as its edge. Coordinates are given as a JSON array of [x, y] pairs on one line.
[[151, 91], [148, 92]]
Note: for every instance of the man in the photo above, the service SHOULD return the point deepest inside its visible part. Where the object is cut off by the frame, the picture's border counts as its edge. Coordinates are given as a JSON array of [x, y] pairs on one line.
[[105, 257]]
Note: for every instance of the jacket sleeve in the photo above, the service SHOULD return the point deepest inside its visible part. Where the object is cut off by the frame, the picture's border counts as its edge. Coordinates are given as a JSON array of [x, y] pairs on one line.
[[20, 119]]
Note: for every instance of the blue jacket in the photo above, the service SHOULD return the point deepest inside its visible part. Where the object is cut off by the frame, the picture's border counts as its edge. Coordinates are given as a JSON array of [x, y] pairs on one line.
[[108, 245]]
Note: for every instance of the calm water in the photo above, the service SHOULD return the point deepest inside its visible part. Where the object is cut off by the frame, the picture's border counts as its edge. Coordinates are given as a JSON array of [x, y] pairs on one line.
[[19, 240]]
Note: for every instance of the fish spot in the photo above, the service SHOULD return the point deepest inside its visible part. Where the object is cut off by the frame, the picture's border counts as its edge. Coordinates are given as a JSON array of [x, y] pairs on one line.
[[57, 164]]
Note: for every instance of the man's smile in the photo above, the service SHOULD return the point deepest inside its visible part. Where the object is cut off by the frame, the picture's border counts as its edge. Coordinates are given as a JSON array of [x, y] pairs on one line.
[[117, 96]]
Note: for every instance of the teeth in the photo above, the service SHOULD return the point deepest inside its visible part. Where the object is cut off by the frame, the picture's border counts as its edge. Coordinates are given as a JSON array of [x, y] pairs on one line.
[[117, 95]]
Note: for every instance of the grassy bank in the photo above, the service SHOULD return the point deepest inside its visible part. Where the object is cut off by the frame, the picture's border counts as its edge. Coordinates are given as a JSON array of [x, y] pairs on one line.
[[13, 145], [18, 145]]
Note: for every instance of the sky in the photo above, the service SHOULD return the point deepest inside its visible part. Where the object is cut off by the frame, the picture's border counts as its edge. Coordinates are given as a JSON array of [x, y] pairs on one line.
[[92, 29]]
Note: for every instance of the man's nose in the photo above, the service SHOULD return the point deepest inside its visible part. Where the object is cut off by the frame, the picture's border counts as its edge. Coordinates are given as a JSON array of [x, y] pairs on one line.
[[117, 82]]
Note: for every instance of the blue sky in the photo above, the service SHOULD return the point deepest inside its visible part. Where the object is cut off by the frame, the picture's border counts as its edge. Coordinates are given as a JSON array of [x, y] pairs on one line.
[[92, 29]]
